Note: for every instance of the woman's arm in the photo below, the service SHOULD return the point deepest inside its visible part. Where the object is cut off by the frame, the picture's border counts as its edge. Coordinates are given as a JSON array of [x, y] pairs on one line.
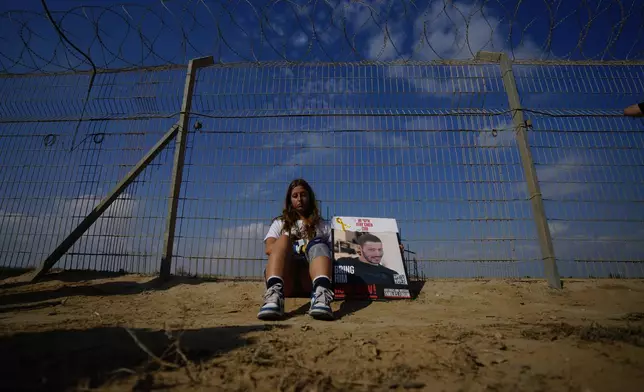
[[273, 234], [635, 110], [269, 245]]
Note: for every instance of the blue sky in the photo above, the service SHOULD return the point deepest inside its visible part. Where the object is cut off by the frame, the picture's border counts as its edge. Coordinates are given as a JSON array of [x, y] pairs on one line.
[[376, 140], [152, 32]]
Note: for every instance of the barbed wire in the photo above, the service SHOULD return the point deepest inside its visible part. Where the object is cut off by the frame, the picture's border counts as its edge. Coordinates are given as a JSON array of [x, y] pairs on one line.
[[110, 35]]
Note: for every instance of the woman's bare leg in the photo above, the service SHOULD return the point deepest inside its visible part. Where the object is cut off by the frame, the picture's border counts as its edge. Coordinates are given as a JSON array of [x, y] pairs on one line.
[[321, 266], [273, 307], [321, 272], [279, 258]]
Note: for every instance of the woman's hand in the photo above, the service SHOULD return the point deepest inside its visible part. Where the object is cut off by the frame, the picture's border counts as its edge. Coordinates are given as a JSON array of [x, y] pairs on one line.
[[269, 244]]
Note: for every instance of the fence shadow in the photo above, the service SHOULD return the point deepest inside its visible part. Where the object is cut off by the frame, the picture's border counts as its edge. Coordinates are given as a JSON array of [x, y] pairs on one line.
[[299, 311], [12, 272], [347, 307], [350, 306], [61, 359], [97, 289]]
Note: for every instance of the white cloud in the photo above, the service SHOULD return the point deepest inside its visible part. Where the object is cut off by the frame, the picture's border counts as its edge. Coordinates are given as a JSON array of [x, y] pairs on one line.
[[311, 90], [552, 177], [558, 228], [351, 21], [285, 141], [470, 80], [287, 72], [276, 23], [560, 169], [443, 30], [383, 139], [385, 46], [528, 50], [455, 31], [459, 30], [309, 154], [253, 230], [300, 39], [232, 251], [242, 241], [356, 14], [339, 85], [36, 236]]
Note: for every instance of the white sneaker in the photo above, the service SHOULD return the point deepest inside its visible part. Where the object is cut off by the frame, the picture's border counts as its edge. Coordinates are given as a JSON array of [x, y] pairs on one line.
[[273, 307], [321, 304]]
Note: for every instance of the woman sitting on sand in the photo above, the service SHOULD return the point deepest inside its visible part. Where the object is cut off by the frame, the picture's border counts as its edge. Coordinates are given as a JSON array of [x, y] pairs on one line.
[[299, 230]]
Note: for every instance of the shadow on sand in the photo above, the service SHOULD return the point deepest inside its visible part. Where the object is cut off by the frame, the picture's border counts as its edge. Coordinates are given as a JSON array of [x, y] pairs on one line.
[[61, 359], [118, 287]]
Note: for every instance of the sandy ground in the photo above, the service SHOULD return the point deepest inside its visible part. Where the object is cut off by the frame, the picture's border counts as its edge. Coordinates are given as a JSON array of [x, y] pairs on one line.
[[72, 332]]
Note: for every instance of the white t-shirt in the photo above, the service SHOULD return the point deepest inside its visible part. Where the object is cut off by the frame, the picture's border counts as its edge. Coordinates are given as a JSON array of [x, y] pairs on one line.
[[323, 230]]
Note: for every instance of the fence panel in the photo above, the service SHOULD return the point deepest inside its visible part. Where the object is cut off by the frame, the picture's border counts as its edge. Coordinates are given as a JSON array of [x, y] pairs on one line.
[[319, 90], [60, 154], [590, 163], [429, 145]]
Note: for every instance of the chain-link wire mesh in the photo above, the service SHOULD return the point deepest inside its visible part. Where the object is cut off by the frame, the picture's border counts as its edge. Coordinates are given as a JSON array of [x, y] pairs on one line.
[[56, 166], [590, 163], [372, 102], [431, 146], [111, 34]]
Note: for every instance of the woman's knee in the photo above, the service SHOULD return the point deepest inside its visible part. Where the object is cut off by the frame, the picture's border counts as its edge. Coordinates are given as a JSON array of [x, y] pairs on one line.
[[283, 243], [281, 252], [318, 250]]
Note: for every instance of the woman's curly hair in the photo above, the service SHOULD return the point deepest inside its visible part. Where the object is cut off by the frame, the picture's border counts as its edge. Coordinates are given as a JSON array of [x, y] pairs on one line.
[[290, 216]]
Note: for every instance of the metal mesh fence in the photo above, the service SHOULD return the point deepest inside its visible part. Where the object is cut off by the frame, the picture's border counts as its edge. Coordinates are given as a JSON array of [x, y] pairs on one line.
[[377, 104], [431, 145], [590, 163], [56, 166]]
